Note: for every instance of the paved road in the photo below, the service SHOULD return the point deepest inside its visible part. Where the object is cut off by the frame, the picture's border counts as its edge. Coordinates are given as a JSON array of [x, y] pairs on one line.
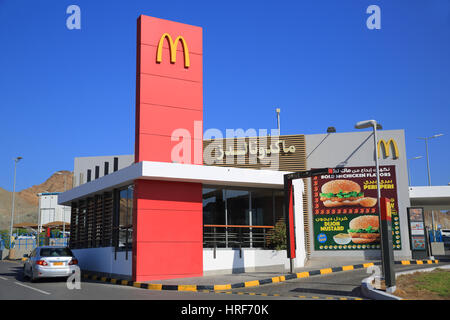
[[14, 286], [341, 285], [337, 286]]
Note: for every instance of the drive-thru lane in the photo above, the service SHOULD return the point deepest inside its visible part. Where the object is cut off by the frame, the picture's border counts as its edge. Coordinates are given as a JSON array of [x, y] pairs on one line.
[[338, 286], [14, 286]]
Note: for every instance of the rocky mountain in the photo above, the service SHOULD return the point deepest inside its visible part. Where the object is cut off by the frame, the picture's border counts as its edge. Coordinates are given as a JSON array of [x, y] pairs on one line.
[[26, 201], [56, 183]]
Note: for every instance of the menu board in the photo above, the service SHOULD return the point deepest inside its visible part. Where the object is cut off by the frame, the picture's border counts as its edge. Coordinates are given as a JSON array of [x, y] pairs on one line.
[[416, 229], [345, 209]]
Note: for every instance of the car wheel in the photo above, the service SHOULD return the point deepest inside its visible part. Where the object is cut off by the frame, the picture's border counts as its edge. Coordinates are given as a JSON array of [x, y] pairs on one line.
[[32, 278], [25, 276]]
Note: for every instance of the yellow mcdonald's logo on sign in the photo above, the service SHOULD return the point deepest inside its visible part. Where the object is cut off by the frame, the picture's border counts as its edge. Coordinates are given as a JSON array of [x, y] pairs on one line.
[[173, 49], [391, 142]]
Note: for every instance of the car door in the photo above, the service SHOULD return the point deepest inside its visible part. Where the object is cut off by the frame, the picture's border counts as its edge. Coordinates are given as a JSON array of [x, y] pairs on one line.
[[29, 261]]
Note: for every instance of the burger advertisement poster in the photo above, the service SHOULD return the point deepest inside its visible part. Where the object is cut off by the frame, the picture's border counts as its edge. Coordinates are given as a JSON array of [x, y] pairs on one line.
[[345, 210]]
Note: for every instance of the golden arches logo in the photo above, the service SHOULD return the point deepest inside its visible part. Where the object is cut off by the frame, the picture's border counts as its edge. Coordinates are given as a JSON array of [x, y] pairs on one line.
[[391, 142], [173, 49]]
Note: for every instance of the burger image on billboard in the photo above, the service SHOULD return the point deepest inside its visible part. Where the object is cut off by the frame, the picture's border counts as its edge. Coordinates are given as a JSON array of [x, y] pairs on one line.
[[364, 229], [343, 192]]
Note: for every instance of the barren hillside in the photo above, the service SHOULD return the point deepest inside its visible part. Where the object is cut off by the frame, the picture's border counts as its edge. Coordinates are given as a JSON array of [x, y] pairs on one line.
[[53, 184], [26, 201]]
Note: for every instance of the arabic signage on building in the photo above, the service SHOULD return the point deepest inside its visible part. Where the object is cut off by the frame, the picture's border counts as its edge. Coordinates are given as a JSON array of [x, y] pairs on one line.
[[345, 210], [284, 153], [252, 148]]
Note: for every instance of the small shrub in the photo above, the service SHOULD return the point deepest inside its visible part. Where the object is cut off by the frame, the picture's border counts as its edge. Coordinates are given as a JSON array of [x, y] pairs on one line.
[[278, 236]]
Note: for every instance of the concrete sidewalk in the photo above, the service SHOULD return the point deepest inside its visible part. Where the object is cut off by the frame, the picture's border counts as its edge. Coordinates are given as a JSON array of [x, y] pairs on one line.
[[315, 267], [312, 264]]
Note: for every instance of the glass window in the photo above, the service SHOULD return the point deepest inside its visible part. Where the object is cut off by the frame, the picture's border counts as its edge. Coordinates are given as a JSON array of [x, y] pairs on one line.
[[213, 206], [278, 205], [125, 218], [231, 207], [237, 207], [55, 252], [262, 208]]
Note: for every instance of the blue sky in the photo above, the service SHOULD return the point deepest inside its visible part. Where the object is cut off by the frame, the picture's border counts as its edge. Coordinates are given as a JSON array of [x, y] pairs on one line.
[[67, 93]]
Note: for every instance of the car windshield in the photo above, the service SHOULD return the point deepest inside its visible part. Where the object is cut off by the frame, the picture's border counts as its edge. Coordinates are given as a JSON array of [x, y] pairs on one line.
[[55, 252]]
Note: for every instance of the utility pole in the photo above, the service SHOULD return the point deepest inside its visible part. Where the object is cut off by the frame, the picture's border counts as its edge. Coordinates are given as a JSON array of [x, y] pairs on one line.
[[13, 198]]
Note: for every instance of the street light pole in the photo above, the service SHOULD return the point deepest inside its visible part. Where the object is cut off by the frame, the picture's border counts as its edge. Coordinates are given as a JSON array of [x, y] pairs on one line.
[[13, 196], [278, 120], [428, 162], [409, 168], [64, 209], [374, 125], [387, 256], [429, 174]]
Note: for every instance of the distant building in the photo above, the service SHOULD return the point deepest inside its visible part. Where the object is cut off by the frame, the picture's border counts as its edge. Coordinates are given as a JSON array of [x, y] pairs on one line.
[[50, 210]]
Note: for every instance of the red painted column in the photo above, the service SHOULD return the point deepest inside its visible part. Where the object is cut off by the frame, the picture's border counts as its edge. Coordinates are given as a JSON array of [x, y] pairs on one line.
[[291, 223], [167, 220]]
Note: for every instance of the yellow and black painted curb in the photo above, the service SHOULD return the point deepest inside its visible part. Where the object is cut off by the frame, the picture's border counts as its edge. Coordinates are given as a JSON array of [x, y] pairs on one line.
[[247, 284], [287, 296]]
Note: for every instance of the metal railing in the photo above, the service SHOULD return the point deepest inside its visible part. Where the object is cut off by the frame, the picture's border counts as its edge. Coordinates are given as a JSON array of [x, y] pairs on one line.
[[236, 236]]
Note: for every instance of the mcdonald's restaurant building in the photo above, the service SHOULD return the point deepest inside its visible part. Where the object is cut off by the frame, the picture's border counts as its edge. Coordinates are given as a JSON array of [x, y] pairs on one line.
[[185, 206]]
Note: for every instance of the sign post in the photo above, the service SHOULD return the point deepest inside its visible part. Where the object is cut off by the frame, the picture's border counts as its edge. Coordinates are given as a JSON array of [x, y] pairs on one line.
[[386, 245], [289, 207], [417, 233]]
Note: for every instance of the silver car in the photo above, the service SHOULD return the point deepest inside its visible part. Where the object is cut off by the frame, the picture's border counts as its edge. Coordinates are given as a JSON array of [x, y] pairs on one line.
[[49, 262]]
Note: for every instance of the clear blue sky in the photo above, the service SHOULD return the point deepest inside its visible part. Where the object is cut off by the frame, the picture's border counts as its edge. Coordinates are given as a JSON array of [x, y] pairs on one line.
[[68, 93]]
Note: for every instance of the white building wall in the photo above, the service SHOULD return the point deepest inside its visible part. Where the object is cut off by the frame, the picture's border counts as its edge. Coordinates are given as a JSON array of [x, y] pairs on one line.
[[83, 164], [103, 260], [229, 260], [50, 210]]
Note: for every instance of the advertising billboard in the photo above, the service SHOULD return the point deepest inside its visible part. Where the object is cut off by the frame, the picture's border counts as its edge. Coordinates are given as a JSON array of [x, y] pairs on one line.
[[345, 209], [417, 229]]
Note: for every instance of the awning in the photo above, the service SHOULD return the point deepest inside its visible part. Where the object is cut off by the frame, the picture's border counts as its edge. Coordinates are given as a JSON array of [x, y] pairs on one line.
[[56, 225], [176, 172], [432, 197]]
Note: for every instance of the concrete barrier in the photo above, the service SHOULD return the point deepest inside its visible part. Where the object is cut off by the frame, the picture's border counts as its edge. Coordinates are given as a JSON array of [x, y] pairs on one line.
[[437, 248]]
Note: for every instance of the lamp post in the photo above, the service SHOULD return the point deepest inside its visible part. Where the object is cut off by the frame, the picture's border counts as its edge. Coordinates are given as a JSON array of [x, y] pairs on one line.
[[64, 208], [426, 146], [387, 256], [16, 160], [409, 168], [278, 110], [375, 126], [429, 174]]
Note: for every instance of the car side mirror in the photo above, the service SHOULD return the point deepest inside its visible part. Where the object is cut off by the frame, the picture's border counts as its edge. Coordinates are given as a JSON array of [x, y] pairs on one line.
[[25, 255]]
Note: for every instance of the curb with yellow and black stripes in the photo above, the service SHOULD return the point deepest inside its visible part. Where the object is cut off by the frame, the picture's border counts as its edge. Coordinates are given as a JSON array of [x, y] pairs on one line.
[[247, 284]]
